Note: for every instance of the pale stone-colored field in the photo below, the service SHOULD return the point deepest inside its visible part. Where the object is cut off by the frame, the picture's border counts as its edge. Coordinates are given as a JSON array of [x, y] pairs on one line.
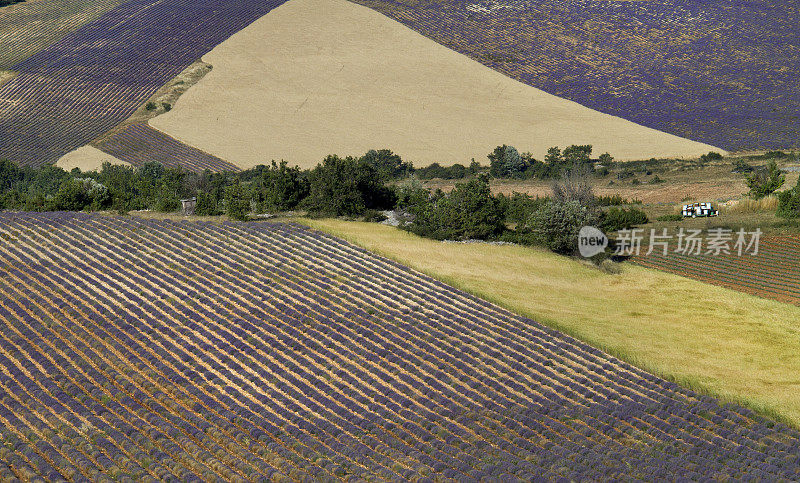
[[315, 77], [86, 158]]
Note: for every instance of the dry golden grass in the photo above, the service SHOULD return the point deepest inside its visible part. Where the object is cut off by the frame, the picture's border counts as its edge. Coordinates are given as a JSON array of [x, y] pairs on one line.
[[749, 205], [315, 77], [726, 343]]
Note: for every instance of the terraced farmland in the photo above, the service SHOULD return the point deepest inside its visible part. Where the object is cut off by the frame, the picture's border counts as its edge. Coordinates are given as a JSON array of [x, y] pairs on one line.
[[772, 273], [91, 80], [721, 71], [190, 350]]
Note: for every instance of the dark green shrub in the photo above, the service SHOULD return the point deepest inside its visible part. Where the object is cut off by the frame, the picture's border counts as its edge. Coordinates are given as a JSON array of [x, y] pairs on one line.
[[79, 194], [387, 164], [435, 170], [347, 187], [621, 218], [279, 187], [237, 202], [789, 202], [519, 207], [206, 205], [611, 200], [468, 212], [741, 166], [557, 225], [711, 156], [765, 181], [150, 106], [506, 162]]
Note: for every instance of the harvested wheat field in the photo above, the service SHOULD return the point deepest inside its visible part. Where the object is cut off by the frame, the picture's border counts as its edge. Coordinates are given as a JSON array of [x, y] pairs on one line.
[[86, 158], [317, 77]]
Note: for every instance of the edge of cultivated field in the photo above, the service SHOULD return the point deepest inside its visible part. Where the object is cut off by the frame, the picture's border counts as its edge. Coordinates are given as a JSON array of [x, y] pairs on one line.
[[727, 344]]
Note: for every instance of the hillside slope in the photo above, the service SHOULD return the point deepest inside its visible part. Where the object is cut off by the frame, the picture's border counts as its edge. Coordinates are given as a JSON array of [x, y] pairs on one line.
[[316, 77], [723, 72], [183, 350]]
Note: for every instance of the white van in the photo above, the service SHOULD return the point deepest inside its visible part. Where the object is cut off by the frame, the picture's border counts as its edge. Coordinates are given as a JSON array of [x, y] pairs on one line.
[[699, 209]]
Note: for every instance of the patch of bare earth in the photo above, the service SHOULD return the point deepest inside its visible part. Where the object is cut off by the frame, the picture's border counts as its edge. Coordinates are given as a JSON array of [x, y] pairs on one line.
[[6, 75], [315, 77], [86, 158]]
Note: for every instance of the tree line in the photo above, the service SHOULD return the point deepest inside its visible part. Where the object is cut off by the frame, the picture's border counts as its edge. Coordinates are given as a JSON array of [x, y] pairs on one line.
[[363, 187]]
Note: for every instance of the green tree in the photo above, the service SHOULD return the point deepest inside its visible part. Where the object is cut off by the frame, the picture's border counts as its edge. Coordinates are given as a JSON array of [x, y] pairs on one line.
[[387, 164], [765, 181], [206, 205], [789, 202], [279, 187], [237, 202], [347, 187], [557, 225], [506, 162], [77, 194], [469, 211]]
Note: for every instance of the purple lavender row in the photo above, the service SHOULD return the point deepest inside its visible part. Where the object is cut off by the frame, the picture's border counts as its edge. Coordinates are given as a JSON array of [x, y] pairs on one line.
[[719, 71], [96, 77], [140, 143], [257, 349]]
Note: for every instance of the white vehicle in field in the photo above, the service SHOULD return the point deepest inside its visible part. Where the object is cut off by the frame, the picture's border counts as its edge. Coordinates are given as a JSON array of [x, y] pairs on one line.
[[699, 209]]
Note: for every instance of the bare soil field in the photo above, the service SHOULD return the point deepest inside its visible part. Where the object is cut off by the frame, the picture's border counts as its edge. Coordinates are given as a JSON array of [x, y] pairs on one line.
[[86, 158], [317, 77]]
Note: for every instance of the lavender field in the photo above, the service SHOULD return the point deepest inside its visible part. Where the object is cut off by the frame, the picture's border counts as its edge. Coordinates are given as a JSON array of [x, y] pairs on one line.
[[71, 92], [139, 143], [157, 350], [723, 72]]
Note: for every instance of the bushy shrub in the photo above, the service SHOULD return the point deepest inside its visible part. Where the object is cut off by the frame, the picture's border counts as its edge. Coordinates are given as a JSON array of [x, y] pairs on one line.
[[765, 181], [742, 166], [468, 212], [711, 156], [506, 162], [237, 202], [206, 205], [557, 225], [387, 164], [519, 206], [611, 200], [78, 194], [621, 219], [279, 187], [347, 187], [789, 202]]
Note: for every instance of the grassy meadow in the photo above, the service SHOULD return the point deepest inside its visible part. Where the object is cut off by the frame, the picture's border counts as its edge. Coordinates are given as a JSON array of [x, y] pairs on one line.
[[725, 343]]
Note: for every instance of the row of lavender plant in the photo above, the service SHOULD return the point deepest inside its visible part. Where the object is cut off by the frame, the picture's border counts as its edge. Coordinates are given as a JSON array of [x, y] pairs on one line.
[[27, 27], [720, 71], [157, 349], [772, 273], [139, 143], [94, 78]]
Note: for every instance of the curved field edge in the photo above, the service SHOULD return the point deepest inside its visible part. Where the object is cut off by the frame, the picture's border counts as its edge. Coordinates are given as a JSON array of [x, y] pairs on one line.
[[730, 345]]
